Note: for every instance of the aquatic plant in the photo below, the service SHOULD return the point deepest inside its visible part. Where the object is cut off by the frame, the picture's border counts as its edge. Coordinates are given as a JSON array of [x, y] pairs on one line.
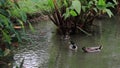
[[70, 15]]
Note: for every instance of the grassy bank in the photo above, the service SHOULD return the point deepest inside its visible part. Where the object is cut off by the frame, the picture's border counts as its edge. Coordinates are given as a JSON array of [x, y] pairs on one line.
[[32, 6]]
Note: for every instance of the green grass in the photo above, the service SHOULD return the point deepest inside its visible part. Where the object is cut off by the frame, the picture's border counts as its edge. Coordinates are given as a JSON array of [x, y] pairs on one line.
[[32, 6]]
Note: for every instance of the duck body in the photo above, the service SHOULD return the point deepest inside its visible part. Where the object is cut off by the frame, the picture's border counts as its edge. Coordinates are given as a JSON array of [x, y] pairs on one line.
[[92, 49], [73, 46]]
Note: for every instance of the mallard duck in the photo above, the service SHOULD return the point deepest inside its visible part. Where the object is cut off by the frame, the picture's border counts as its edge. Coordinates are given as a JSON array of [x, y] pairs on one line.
[[73, 46], [92, 49]]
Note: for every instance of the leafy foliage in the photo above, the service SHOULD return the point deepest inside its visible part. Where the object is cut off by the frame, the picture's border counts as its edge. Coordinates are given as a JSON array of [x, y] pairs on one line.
[[8, 18], [103, 6], [72, 14], [31, 6]]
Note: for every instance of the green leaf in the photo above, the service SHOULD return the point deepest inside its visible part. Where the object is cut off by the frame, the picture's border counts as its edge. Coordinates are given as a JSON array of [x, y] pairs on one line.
[[73, 13], [4, 12], [67, 14], [23, 16], [32, 29], [22, 24], [109, 4], [50, 3], [4, 20], [110, 14], [115, 2], [101, 2], [9, 13], [18, 36], [91, 2], [77, 6], [84, 8], [15, 12], [16, 3], [100, 7], [3, 2], [95, 9], [65, 3], [6, 36]]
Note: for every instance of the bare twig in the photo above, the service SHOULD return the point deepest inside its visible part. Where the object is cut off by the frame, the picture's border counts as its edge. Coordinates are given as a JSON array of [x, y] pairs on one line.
[[84, 31]]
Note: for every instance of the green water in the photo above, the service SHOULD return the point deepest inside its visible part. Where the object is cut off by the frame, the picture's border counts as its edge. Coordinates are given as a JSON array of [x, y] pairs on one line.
[[47, 50], [109, 37]]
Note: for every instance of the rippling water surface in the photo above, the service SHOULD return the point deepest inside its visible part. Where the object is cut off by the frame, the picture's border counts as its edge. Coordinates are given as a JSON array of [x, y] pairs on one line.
[[35, 52], [47, 50]]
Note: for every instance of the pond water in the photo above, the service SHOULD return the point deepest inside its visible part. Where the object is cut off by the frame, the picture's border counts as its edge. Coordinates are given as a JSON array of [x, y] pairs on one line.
[[35, 51], [47, 50]]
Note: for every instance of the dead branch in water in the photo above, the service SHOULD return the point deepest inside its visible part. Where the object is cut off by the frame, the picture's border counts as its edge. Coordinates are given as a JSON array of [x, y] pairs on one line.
[[84, 31]]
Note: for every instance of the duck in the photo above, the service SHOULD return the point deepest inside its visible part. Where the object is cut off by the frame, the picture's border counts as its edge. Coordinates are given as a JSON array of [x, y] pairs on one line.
[[72, 46], [92, 49]]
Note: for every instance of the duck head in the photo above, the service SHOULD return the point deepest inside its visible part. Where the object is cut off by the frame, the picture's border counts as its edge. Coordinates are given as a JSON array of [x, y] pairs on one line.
[[83, 48], [72, 42]]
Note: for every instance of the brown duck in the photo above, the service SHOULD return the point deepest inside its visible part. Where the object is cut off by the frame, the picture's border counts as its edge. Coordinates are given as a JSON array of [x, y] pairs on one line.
[[92, 49]]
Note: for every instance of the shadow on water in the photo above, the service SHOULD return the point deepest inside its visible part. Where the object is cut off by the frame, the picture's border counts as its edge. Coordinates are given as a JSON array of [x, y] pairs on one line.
[[47, 50]]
